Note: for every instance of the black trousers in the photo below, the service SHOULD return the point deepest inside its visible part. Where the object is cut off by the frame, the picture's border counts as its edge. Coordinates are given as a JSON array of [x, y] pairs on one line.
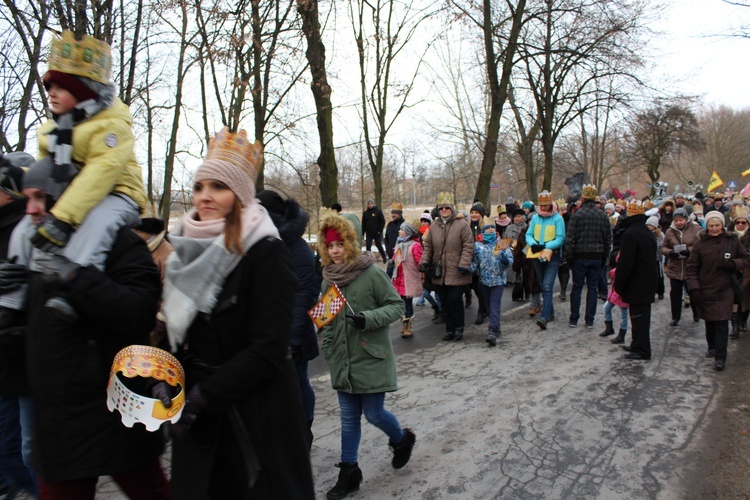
[[563, 275], [640, 323], [717, 337], [378, 239], [675, 298], [451, 300], [477, 287]]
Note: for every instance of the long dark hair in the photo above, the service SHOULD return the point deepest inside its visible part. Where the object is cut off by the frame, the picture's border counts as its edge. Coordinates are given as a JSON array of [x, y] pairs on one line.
[[233, 228]]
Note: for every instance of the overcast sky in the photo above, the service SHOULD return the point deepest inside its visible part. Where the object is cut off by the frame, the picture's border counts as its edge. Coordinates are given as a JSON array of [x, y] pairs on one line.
[[701, 61]]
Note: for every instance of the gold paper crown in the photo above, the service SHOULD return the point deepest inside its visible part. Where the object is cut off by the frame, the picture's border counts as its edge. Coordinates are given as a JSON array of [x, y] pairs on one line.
[[445, 198], [589, 192], [718, 195], [237, 150], [635, 207], [88, 57], [324, 212], [740, 211], [545, 198], [501, 209], [561, 204], [397, 206]]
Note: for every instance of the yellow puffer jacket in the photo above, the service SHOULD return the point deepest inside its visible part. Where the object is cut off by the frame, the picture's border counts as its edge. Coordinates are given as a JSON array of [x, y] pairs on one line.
[[103, 146]]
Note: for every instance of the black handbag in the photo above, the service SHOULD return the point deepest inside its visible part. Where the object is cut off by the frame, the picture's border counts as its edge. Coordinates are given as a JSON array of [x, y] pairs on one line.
[[736, 281]]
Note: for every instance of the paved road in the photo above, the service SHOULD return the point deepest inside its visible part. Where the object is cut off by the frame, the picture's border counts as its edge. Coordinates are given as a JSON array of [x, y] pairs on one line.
[[547, 414]]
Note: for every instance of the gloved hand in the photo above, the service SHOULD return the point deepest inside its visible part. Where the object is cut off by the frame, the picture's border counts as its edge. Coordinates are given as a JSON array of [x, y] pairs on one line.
[[463, 270], [59, 266], [52, 234], [673, 254], [12, 276], [298, 353], [162, 392], [423, 268], [685, 253], [695, 296], [194, 404], [356, 320], [537, 248], [727, 265]]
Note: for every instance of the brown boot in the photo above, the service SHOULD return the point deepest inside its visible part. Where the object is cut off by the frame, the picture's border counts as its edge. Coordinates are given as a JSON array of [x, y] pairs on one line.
[[408, 330]]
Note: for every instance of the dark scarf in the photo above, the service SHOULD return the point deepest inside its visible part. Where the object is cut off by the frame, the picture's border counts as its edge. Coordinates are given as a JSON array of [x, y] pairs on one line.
[[343, 274]]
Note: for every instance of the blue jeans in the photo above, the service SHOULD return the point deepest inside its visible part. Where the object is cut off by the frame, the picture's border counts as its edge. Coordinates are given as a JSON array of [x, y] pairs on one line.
[[546, 273], [608, 306], [493, 298], [308, 395], [426, 294], [13, 449], [588, 271], [352, 406]]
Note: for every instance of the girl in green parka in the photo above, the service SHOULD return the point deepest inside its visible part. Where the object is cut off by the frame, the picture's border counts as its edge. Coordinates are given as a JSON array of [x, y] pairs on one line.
[[357, 346]]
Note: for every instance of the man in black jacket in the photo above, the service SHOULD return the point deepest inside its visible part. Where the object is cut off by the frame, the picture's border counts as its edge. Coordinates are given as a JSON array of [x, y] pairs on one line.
[[587, 244], [373, 223], [391, 230], [636, 278]]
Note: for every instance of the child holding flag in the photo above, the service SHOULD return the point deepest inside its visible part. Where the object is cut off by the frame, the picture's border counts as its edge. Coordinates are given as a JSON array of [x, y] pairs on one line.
[[357, 346]]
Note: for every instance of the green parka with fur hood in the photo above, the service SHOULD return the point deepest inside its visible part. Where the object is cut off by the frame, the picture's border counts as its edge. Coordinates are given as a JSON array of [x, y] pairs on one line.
[[361, 361]]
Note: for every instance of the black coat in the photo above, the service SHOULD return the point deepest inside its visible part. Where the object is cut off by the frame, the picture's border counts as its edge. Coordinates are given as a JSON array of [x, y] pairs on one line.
[[69, 364], [637, 268], [391, 235], [238, 356], [10, 214], [291, 226], [373, 221]]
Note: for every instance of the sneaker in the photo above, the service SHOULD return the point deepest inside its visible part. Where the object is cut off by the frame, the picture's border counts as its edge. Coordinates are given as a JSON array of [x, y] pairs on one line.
[[572, 324], [449, 336], [542, 323], [589, 326], [420, 302], [402, 451], [674, 322], [719, 364], [491, 340]]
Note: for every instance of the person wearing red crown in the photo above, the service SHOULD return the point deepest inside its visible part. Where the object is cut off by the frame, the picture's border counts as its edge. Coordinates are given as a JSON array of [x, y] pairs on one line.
[[228, 304]]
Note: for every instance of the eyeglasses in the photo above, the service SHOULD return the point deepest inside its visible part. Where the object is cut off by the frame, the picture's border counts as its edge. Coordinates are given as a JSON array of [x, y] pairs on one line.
[[740, 223], [444, 208]]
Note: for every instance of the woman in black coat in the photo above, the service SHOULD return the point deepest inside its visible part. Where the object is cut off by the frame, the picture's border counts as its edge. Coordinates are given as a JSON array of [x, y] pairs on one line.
[[228, 301]]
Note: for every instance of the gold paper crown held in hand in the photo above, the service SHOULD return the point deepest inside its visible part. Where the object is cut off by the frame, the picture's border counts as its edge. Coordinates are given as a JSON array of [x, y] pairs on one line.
[[88, 57], [445, 198], [634, 207], [589, 192], [545, 198], [237, 150]]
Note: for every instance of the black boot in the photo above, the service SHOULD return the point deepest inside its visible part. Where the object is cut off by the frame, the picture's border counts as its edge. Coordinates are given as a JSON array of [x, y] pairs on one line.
[[437, 318], [562, 294], [743, 320], [459, 334], [402, 451], [608, 330], [350, 476], [735, 333], [480, 319], [620, 339]]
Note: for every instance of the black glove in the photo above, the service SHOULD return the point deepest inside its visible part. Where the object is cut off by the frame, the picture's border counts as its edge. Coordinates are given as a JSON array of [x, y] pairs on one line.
[[727, 265], [356, 320], [673, 254], [423, 268], [194, 403], [51, 234], [463, 270], [537, 248], [298, 353], [59, 266], [685, 253], [695, 296], [12, 276], [162, 392]]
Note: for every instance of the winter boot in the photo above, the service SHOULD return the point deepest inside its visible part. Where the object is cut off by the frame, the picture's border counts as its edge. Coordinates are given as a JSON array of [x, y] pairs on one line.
[[562, 295], [350, 476], [402, 451], [743, 320], [437, 318], [492, 338], [480, 319], [459, 334], [408, 330], [735, 333], [620, 339], [608, 330]]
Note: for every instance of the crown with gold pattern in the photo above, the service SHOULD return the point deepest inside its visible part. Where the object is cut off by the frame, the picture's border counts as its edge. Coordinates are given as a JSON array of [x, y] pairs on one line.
[[740, 212], [397, 206], [445, 198], [589, 192], [237, 150], [561, 204], [545, 198], [635, 207], [87, 57]]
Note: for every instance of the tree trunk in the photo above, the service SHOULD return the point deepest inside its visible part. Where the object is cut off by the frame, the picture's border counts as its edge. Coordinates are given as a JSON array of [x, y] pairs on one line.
[[316, 57]]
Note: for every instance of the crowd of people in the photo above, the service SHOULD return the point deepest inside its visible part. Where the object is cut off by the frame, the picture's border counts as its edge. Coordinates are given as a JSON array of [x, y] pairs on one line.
[[85, 273]]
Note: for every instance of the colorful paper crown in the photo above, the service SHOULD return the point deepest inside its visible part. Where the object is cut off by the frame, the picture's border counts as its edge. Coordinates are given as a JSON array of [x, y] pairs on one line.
[[545, 198], [397, 206], [589, 192], [445, 198], [635, 207], [147, 362], [88, 57], [237, 150], [740, 211]]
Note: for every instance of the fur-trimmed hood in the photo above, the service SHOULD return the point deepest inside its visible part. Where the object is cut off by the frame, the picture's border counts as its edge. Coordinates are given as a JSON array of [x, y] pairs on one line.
[[348, 234], [292, 223]]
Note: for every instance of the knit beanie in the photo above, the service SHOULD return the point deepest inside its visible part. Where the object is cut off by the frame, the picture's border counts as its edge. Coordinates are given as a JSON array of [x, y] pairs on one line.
[[652, 221], [609, 206], [272, 201], [76, 85], [11, 173], [715, 214], [426, 216], [680, 212], [477, 207], [408, 229]]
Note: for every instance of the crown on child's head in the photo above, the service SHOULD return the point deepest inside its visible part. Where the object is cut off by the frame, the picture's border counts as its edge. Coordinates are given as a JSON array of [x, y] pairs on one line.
[[237, 150], [589, 192], [87, 57], [635, 207], [545, 198]]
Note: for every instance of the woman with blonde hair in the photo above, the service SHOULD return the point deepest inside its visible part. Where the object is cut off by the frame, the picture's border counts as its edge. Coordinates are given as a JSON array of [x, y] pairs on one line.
[[357, 346]]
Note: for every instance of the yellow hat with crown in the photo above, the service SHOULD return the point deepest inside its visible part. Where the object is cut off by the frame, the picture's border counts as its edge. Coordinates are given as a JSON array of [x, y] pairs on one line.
[[545, 198], [445, 198], [87, 57], [589, 192], [635, 207], [561, 204], [740, 212], [397, 206]]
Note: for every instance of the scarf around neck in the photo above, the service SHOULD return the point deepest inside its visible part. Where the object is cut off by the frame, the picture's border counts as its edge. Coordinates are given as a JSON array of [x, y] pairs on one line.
[[343, 274], [200, 263]]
